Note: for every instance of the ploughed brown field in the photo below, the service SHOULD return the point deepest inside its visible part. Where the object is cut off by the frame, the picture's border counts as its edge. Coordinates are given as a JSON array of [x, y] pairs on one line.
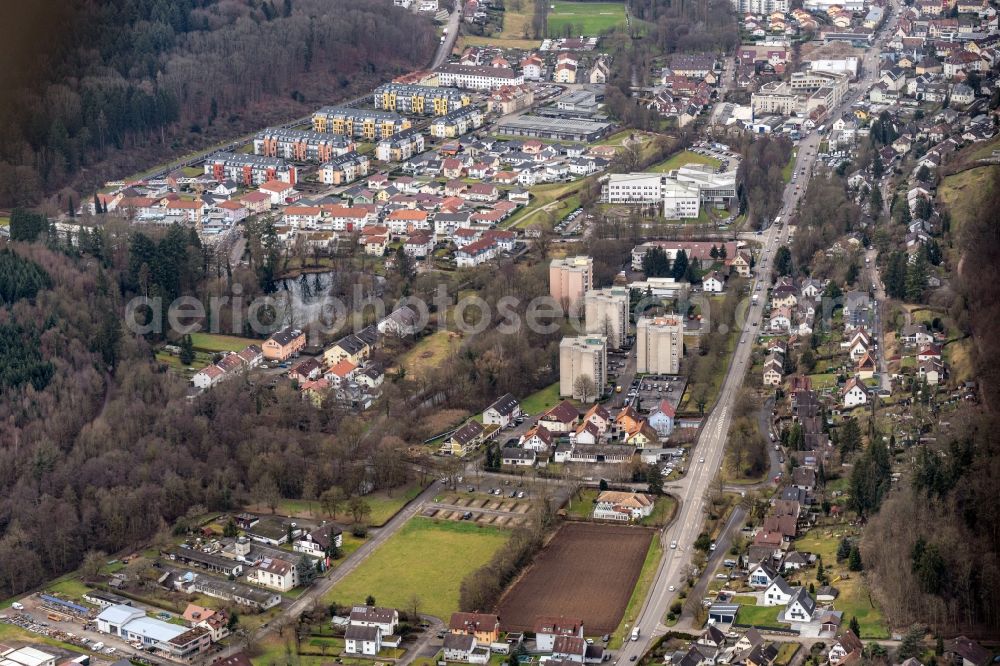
[[587, 571]]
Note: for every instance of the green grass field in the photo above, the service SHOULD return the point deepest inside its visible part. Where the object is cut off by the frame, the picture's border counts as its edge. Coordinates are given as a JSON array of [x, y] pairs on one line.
[[425, 558], [584, 18], [217, 343], [853, 600], [430, 352], [4, 221], [683, 159], [540, 401], [384, 505], [759, 616]]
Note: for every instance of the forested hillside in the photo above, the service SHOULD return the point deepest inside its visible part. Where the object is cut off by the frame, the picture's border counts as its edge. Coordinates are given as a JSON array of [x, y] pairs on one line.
[[933, 549], [99, 90]]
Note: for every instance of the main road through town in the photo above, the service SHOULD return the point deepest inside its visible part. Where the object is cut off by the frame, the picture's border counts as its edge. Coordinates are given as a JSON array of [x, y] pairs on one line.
[[706, 459]]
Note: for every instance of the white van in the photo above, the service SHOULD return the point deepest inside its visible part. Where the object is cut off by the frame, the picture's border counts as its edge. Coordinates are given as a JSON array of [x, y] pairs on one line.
[[17, 605], [635, 634]]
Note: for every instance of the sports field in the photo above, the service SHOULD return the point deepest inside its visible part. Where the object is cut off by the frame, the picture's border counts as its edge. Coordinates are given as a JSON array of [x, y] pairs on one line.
[[426, 558], [589, 19]]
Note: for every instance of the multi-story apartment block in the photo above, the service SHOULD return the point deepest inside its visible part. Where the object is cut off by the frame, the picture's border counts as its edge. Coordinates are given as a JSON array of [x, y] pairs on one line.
[[299, 145], [606, 312], [400, 147], [760, 6], [359, 123], [423, 100], [457, 123], [659, 344], [344, 169], [510, 99], [249, 169], [585, 355], [570, 279], [476, 77]]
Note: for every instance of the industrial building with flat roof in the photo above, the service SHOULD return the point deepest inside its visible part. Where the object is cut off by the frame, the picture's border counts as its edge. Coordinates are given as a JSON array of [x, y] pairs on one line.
[[561, 129]]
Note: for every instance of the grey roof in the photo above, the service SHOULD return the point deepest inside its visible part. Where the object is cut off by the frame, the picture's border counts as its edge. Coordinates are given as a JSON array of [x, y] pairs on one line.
[[373, 614], [505, 405], [803, 597], [360, 632], [286, 335], [782, 585], [351, 344], [461, 642]]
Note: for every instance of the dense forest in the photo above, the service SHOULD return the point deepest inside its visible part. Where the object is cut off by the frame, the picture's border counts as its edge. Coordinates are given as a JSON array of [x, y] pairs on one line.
[[98, 90], [933, 548]]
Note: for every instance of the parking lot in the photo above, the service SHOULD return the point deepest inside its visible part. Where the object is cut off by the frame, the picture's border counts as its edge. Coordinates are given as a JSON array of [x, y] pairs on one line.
[[651, 389]]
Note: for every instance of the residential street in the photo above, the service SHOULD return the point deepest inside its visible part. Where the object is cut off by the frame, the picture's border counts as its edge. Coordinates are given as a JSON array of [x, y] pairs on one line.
[[710, 447]]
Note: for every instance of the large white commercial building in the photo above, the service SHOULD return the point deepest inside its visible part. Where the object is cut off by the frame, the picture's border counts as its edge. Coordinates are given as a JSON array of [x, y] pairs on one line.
[[659, 344], [585, 355], [848, 65], [606, 312], [681, 192]]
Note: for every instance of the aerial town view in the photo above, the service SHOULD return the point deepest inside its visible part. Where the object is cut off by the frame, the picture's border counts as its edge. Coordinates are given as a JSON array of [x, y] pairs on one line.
[[500, 332]]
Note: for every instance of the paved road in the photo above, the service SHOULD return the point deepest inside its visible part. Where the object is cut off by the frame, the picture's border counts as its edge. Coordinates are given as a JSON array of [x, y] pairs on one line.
[[444, 49]]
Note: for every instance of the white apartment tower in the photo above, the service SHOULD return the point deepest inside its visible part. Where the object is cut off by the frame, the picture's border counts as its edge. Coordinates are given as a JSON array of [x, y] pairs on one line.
[[659, 344], [606, 312], [583, 355]]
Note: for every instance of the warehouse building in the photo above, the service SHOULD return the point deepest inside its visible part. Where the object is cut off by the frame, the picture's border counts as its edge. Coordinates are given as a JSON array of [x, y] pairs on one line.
[[560, 129]]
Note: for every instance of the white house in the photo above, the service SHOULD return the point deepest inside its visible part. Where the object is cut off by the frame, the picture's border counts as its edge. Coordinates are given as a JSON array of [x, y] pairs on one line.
[[762, 576], [854, 393], [778, 593], [462, 648], [320, 541], [713, 283], [208, 376], [275, 573], [386, 619], [360, 639], [537, 439], [547, 629], [800, 607], [518, 457], [503, 411]]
